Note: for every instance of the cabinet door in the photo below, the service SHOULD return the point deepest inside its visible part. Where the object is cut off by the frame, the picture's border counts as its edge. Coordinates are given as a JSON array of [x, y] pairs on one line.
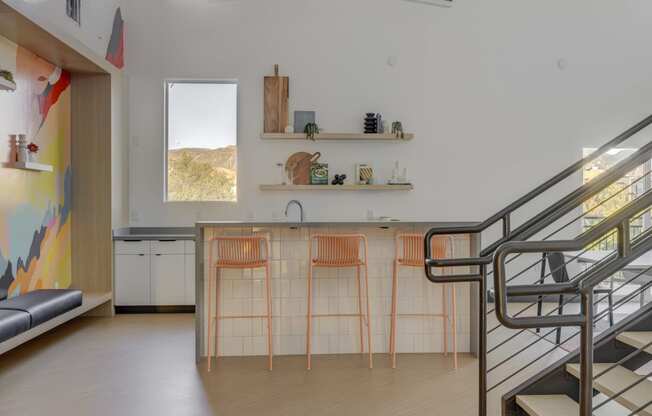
[[167, 279], [190, 279], [132, 280]]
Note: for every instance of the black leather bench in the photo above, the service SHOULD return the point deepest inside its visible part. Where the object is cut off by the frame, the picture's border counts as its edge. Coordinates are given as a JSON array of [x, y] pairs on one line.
[[36, 307], [13, 323]]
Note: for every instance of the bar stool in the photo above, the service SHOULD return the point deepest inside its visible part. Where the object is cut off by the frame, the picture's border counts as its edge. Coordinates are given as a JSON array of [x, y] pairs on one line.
[[340, 250], [238, 253], [409, 252]]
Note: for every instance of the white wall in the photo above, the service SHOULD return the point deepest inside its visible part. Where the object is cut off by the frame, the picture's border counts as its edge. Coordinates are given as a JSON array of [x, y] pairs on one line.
[[478, 83]]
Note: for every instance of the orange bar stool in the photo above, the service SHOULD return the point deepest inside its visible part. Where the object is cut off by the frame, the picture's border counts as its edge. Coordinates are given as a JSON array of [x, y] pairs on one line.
[[238, 253], [340, 250], [409, 252]]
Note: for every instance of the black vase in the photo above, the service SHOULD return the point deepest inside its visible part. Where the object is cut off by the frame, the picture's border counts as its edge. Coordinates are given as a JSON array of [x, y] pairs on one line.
[[371, 124]]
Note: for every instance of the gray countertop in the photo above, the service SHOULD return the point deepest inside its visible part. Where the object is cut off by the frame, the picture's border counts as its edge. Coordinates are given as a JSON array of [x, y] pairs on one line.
[[154, 233], [309, 222], [188, 233]]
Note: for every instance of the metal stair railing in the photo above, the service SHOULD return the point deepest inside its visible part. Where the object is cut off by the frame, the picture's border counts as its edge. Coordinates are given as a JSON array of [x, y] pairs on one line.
[[628, 250], [526, 230]]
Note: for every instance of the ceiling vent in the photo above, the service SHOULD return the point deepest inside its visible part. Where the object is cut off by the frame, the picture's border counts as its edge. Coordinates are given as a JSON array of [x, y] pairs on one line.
[[437, 3]]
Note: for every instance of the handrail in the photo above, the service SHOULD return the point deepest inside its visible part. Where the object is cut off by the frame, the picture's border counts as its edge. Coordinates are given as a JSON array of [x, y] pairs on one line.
[[620, 219], [555, 211], [538, 222], [628, 250], [526, 230]]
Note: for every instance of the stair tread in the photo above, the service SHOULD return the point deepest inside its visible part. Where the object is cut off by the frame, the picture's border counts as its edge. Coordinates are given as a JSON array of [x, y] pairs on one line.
[[548, 405], [616, 380], [636, 339]]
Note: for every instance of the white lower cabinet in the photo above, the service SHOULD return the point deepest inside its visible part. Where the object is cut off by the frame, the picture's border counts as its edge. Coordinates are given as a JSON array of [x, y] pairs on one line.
[[167, 279], [132, 279], [156, 273]]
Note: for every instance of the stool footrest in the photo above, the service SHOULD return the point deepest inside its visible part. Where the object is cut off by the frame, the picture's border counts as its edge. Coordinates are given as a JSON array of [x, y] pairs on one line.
[[242, 317]]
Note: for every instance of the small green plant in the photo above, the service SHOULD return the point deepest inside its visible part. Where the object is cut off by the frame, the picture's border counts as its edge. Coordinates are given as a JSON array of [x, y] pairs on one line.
[[397, 129], [311, 129], [7, 75]]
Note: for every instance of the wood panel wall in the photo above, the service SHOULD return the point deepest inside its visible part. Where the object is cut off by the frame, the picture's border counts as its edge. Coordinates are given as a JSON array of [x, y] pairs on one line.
[[92, 248]]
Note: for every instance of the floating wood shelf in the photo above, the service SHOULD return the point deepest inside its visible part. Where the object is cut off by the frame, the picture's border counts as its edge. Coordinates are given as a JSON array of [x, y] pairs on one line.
[[36, 167], [338, 136], [6, 85], [407, 187]]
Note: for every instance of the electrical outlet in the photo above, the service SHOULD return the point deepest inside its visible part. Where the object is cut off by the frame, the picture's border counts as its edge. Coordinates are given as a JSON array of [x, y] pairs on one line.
[[134, 217]]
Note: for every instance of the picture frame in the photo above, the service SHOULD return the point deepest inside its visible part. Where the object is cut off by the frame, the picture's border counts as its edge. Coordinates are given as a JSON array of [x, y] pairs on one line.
[[364, 174]]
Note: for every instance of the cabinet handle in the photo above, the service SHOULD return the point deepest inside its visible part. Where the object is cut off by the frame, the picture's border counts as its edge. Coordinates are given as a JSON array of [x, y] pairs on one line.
[[167, 241], [141, 255], [157, 254]]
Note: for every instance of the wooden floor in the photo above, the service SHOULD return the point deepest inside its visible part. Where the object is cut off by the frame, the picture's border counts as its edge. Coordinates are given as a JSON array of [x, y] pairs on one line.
[[144, 365]]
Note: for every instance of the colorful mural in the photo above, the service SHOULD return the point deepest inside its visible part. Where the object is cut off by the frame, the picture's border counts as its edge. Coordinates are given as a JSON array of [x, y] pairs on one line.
[[35, 208], [115, 52]]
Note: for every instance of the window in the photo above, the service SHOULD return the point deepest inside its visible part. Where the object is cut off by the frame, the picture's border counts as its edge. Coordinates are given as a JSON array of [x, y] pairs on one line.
[[628, 188], [73, 10], [201, 128]]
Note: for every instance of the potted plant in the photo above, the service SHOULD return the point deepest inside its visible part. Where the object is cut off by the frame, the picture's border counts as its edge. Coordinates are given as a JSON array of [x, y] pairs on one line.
[[7, 75], [310, 130], [32, 148]]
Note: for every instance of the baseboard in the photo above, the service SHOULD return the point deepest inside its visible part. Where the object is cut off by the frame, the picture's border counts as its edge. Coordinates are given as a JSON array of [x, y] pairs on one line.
[[155, 309]]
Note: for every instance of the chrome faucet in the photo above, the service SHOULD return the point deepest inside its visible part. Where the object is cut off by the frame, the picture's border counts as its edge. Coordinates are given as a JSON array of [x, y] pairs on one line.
[[294, 201]]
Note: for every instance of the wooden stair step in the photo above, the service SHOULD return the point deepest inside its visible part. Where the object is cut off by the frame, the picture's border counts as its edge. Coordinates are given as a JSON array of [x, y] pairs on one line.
[[636, 339], [548, 405], [616, 380]]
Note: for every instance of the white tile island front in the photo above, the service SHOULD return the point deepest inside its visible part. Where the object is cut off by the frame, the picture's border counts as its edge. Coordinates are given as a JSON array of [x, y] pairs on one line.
[[242, 292]]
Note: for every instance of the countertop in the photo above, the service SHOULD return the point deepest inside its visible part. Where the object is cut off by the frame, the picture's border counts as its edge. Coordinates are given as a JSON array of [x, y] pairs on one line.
[[154, 233], [352, 222]]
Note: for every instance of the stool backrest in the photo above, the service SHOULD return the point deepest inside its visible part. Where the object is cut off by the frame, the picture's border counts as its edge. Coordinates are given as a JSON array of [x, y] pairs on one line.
[[410, 249], [337, 248], [241, 250]]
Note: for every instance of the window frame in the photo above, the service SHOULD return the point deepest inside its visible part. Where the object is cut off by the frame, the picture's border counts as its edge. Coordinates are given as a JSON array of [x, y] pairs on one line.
[[166, 84]]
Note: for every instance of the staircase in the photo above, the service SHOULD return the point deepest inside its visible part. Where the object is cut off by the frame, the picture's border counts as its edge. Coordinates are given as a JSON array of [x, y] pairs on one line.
[[620, 378], [571, 345]]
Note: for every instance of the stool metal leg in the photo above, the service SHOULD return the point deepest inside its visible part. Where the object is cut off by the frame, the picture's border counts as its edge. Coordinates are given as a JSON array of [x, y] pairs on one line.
[[268, 283], [218, 275], [360, 310], [454, 325], [210, 316], [392, 334], [309, 330], [369, 340], [444, 313]]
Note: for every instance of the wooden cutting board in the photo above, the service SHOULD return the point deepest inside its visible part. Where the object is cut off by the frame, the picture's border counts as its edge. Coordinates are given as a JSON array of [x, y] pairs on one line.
[[277, 93], [298, 167]]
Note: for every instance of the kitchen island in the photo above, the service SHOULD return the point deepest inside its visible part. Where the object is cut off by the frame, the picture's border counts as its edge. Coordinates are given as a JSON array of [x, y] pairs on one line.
[[242, 292]]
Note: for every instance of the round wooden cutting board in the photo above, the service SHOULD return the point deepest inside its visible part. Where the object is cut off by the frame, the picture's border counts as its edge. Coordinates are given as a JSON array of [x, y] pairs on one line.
[[298, 167]]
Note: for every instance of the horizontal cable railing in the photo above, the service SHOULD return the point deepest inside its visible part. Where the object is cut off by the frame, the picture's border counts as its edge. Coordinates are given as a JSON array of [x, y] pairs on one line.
[[628, 250], [478, 266], [598, 317]]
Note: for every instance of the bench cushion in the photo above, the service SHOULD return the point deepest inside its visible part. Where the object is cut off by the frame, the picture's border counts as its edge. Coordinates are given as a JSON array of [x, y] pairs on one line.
[[43, 305], [13, 323]]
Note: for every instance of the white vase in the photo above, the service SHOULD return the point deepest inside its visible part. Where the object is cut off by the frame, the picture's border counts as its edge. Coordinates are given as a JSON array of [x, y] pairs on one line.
[[31, 157], [22, 149]]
